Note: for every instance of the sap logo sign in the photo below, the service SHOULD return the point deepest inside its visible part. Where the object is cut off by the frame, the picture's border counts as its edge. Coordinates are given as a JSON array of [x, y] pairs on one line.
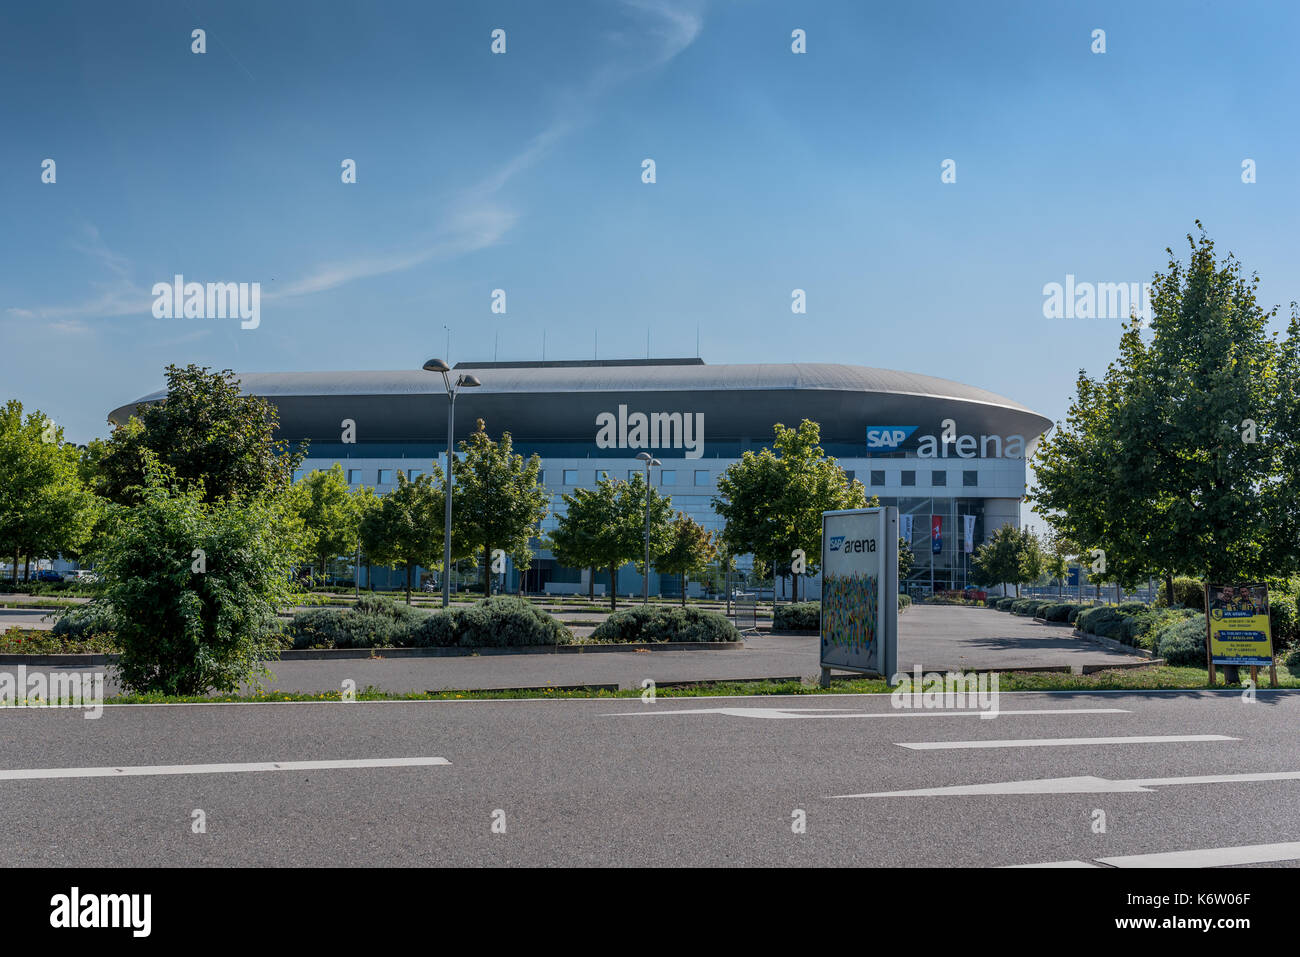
[[888, 436], [855, 545]]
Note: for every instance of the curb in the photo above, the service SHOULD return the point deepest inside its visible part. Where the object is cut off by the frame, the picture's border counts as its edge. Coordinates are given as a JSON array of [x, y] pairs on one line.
[[345, 654], [1114, 645]]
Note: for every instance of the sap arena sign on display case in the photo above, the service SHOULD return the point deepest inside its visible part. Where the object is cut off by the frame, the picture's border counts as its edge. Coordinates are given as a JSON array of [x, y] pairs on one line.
[[859, 607]]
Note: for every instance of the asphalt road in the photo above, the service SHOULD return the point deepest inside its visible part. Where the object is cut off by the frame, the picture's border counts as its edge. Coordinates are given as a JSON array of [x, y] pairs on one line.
[[675, 782], [934, 637]]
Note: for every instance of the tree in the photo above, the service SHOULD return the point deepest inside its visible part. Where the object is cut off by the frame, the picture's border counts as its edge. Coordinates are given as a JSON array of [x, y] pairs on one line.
[[605, 527], [690, 549], [905, 558], [1171, 461], [1010, 556], [364, 504], [45, 509], [499, 500], [407, 527], [772, 501], [194, 586], [328, 511], [205, 431]]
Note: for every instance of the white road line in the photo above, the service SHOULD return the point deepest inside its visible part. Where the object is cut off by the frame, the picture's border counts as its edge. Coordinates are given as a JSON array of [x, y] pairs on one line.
[[826, 712], [1205, 857], [1079, 785], [31, 774], [1211, 856], [1061, 742]]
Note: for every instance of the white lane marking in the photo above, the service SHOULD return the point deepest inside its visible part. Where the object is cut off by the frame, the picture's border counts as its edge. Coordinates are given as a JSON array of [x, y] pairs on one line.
[[1061, 742], [30, 774], [1054, 864], [824, 712], [1211, 856], [1079, 785], [1204, 857]]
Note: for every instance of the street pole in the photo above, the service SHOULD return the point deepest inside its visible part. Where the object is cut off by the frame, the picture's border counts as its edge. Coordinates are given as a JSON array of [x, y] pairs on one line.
[[446, 531]]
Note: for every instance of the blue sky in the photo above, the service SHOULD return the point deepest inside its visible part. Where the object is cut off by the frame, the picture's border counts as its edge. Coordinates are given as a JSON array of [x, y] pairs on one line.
[[522, 171]]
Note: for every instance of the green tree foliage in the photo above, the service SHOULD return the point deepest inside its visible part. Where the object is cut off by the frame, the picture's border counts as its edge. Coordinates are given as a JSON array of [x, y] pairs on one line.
[[1156, 464], [328, 510], [498, 501], [205, 432], [689, 550], [406, 528], [605, 527], [772, 501], [45, 508], [1010, 556], [194, 586]]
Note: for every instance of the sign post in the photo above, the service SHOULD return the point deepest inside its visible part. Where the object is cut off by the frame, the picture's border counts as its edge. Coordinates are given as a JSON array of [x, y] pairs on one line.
[[1238, 629], [859, 606]]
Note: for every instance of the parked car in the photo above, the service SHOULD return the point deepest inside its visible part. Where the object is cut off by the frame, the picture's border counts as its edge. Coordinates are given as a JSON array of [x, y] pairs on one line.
[[83, 575], [47, 575]]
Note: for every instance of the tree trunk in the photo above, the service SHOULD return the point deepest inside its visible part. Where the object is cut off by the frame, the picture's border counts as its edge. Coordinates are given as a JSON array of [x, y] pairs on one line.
[[613, 591], [408, 582], [15, 566], [1169, 588], [27, 568], [487, 571], [591, 584], [794, 587], [683, 589]]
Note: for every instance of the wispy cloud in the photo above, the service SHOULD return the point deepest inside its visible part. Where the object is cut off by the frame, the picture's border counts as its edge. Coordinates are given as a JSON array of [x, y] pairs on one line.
[[476, 217]]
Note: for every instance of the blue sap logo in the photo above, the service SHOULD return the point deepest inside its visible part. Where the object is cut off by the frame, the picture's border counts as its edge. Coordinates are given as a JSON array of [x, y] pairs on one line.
[[888, 436], [835, 542]]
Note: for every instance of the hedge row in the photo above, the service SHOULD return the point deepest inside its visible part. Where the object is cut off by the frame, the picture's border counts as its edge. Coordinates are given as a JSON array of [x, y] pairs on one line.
[[806, 615], [666, 624], [375, 622]]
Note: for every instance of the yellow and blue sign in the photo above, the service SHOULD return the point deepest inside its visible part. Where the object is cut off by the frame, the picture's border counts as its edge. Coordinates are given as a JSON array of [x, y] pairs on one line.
[[1239, 627]]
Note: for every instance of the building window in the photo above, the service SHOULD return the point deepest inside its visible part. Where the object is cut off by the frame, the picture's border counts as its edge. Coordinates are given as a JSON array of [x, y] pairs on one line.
[[354, 476], [541, 477], [878, 478], [701, 476], [570, 476], [414, 474], [938, 478], [385, 476], [970, 478], [297, 475], [668, 477], [908, 478]]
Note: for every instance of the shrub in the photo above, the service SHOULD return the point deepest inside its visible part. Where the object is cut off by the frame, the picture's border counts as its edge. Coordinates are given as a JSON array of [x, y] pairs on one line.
[[804, 616], [502, 621], [1283, 618], [666, 624], [1183, 642], [94, 619], [1090, 619], [1072, 616], [904, 601], [1292, 662], [1188, 593], [325, 628], [1057, 611]]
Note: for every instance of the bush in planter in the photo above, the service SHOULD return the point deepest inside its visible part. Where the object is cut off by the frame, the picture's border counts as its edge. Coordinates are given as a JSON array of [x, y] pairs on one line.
[[1090, 619], [1057, 611], [666, 624], [803, 616], [325, 628], [91, 620], [903, 602], [1183, 642], [502, 621]]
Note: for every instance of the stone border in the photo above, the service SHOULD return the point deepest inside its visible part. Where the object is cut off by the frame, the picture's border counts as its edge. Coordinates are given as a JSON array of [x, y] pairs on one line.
[[1114, 645], [343, 654]]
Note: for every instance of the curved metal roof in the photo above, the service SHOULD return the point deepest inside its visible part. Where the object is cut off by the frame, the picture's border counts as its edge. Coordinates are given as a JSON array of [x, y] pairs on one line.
[[840, 394]]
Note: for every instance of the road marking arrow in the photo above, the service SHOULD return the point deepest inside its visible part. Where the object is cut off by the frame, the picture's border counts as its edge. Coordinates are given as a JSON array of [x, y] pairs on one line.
[[1079, 785]]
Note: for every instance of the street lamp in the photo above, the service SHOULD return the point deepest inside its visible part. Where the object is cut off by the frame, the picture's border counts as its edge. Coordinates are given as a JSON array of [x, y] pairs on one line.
[[650, 462], [462, 382]]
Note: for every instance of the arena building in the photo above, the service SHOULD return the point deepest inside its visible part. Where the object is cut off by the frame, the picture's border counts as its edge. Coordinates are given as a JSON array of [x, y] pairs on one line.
[[950, 456]]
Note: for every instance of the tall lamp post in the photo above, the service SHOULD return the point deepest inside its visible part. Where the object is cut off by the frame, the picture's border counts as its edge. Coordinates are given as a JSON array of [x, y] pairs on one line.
[[462, 382], [650, 462]]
